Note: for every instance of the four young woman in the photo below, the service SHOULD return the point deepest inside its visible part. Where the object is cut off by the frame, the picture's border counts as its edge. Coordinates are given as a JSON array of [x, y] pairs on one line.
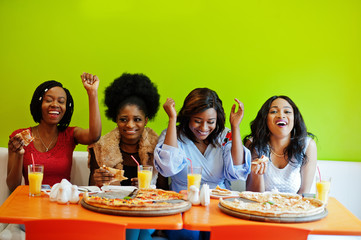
[[278, 131], [197, 135]]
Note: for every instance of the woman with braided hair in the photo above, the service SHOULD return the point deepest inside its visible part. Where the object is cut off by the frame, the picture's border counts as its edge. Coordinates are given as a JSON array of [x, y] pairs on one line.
[[54, 142]]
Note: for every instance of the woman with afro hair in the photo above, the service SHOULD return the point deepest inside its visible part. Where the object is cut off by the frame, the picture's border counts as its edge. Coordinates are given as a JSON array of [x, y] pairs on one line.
[[54, 142], [279, 132], [131, 100]]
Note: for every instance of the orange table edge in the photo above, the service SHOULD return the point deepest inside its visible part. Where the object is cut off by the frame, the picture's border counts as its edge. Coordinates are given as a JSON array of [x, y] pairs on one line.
[[339, 221], [19, 207]]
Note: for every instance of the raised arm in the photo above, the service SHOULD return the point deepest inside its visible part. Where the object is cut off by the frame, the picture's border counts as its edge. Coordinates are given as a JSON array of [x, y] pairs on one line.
[[171, 135], [237, 146], [93, 133], [308, 170]]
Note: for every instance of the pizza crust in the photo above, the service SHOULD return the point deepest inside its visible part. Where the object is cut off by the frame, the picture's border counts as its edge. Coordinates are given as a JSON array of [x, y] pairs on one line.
[[262, 159], [25, 136], [118, 174]]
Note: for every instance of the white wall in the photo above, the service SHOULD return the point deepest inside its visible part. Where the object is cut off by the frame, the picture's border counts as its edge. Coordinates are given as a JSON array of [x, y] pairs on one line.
[[345, 183]]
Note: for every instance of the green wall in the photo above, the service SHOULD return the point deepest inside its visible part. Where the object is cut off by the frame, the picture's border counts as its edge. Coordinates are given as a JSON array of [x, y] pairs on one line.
[[308, 50]]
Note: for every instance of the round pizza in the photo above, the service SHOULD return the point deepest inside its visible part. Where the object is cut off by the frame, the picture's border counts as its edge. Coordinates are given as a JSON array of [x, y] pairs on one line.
[[139, 200], [270, 204]]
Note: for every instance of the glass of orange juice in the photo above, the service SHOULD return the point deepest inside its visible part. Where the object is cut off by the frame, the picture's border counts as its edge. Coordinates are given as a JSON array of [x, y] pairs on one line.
[[144, 176], [35, 177], [323, 188], [194, 176]]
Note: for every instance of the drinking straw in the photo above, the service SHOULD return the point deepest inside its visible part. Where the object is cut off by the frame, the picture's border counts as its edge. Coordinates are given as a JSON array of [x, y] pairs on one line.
[[32, 159], [191, 165], [319, 173], [135, 161]]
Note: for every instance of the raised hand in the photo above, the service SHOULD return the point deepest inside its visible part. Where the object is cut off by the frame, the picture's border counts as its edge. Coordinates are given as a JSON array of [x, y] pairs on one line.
[[236, 117], [90, 81], [169, 107]]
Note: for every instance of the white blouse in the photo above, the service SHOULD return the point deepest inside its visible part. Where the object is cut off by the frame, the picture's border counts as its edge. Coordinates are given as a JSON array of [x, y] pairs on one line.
[[287, 179]]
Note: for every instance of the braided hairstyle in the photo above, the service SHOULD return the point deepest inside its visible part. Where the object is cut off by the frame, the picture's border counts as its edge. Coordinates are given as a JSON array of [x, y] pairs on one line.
[[131, 89], [37, 100]]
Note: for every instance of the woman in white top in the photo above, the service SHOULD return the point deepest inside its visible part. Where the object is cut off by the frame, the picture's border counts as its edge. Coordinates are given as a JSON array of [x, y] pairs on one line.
[[279, 132]]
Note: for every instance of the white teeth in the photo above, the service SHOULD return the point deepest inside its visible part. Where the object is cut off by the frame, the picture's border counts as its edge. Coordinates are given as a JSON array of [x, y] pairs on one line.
[[203, 133], [54, 112]]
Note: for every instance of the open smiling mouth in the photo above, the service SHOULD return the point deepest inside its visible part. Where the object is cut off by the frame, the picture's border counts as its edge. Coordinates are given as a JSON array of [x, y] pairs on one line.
[[281, 124], [54, 113], [203, 133], [130, 131]]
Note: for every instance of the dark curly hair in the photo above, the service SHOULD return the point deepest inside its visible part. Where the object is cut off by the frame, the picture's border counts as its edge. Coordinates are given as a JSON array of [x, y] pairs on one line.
[[197, 101], [260, 133], [131, 89], [37, 100]]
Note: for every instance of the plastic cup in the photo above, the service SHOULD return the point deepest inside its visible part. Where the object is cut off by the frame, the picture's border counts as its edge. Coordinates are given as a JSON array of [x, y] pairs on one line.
[[194, 176], [35, 177], [323, 188], [144, 176]]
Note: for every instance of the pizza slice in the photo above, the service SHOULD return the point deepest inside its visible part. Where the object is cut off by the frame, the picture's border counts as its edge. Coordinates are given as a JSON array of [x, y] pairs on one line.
[[118, 174], [25, 136], [221, 191], [262, 159]]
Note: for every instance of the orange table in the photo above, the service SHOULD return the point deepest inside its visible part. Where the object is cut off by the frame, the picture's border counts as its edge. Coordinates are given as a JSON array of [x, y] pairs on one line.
[[339, 220], [19, 207]]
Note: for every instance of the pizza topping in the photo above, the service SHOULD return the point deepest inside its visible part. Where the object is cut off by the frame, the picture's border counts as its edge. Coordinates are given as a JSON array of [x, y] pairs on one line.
[[269, 202]]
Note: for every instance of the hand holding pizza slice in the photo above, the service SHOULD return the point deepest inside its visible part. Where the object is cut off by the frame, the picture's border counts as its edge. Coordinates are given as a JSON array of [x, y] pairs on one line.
[[262, 159], [21, 139], [105, 175], [259, 165], [118, 174]]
